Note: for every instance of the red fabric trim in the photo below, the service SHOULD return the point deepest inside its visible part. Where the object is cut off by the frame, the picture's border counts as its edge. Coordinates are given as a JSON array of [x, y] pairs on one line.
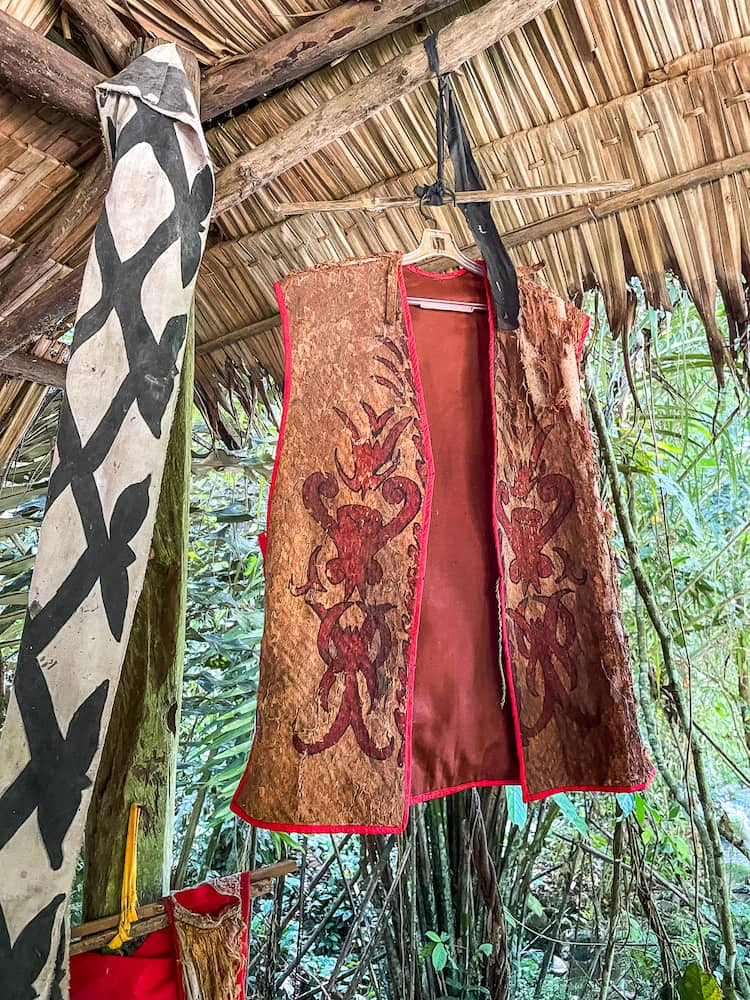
[[505, 666], [438, 276], [612, 789], [312, 827], [439, 793], [421, 569], [429, 461], [207, 899], [287, 335], [584, 335]]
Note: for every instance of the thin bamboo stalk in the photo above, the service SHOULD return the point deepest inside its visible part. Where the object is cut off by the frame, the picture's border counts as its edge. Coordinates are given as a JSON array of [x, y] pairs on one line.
[[373, 203]]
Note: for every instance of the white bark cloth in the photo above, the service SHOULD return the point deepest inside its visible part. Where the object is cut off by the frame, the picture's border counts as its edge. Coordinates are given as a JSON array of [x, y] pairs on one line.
[[121, 391]]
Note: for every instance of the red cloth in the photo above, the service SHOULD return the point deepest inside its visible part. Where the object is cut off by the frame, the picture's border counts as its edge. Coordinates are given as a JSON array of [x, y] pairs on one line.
[[152, 971]]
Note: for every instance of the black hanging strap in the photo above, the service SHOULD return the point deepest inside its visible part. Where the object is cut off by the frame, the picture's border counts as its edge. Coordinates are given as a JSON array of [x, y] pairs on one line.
[[436, 193], [501, 273]]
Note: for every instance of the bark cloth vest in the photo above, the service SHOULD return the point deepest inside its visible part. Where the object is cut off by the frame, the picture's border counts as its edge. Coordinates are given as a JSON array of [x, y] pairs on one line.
[[442, 605]]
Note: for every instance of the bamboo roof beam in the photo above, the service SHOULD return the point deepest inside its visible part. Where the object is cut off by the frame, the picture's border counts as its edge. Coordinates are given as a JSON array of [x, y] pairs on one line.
[[47, 310], [235, 336], [547, 227], [371, 203], [464, 38], [328, 37], [621, 202]]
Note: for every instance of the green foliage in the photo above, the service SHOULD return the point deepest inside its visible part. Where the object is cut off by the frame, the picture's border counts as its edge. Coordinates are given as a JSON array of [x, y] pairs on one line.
[[224, 627], [695, 984]]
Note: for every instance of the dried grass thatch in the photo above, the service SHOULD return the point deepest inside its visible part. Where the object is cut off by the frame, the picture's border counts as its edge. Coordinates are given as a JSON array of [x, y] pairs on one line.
[[588, 92]]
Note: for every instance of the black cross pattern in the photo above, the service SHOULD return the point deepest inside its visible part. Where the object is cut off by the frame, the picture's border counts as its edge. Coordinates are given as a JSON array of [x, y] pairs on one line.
[[22, 961], [52, 783]]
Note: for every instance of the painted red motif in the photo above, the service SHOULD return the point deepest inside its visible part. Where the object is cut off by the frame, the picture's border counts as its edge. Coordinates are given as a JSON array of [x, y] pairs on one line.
[[527, 529], [355, 638], [350, 651], [545, 640]]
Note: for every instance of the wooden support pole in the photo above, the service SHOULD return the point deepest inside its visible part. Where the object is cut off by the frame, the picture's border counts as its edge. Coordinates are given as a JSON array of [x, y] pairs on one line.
[[312, 45], [139, 757], [98, 18], [32, 66], [464, 38]]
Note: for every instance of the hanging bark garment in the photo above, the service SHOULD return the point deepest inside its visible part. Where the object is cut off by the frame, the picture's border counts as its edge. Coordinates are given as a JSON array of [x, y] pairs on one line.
[[426, 463], [202, 955], [121, 390]]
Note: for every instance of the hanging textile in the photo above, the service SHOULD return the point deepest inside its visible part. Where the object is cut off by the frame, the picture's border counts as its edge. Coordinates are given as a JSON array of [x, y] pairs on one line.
[[442, 608], [121, 391], [202, 955]]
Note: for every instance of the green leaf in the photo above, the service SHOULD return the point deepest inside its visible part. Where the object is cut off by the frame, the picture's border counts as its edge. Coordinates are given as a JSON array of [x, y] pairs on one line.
[[439, 957], [640, 809], [696, 984], [517, 808], [232, 514], [485, 949], [570, 812], [534, 905], [433, 936]]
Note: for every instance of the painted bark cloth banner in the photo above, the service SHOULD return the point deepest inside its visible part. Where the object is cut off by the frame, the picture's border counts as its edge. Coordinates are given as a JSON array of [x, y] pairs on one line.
[[121, 391]]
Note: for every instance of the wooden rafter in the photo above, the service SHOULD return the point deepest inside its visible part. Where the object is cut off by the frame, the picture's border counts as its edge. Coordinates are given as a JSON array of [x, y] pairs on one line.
[[41, 315], [37, 68], [464, 38], [33, 315], [627, 199], [43, 371], [309, 47], [99, 19], [550, 226], [32, 66]]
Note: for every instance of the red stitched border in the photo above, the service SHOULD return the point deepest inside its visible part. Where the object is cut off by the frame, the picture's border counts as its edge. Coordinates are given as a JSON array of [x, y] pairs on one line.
[[441, 276], [442, 792], [612, 789], [421, 569]]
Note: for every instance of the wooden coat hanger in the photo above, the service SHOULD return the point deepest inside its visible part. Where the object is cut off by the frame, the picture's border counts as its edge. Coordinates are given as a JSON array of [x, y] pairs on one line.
[[439, 243]]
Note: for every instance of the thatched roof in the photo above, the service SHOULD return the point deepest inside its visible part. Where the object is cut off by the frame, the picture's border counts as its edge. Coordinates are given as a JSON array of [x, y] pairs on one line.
[[652, 91]]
